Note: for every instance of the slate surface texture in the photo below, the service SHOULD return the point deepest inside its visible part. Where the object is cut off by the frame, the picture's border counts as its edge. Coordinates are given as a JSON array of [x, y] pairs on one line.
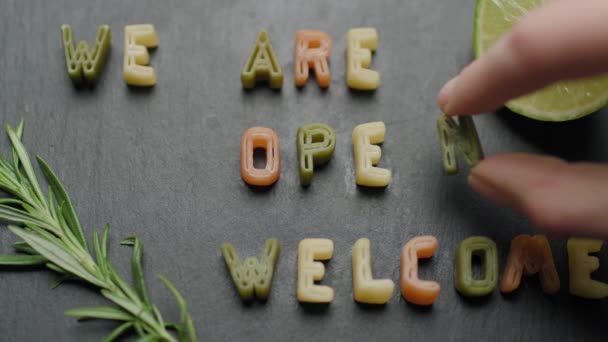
[[163, 163]]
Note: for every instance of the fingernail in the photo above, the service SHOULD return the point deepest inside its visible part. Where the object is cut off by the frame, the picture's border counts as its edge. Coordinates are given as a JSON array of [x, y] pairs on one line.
[[444, 98]]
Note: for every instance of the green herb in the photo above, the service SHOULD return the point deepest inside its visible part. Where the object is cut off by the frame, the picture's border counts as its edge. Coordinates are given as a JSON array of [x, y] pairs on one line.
[[52, 236]]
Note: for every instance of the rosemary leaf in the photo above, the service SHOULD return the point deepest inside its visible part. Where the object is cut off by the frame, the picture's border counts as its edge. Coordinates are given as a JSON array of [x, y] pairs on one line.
[[138, 274], [22, 260], [19, 132], [44, 233], [139, 328], [51, 203], [62, 197], [56, 268], [20, 216], [57, 255], [20, 128], [5, 164], [157, 314], [43, 216], [185, 329], [23, 247], [118, 331], [99, 257], [128, 306], [7, 174], [8, 183], [101, 312], [122, 284], [70, 240], [60, 280], [11, 201], [25, 163], [104, 241]]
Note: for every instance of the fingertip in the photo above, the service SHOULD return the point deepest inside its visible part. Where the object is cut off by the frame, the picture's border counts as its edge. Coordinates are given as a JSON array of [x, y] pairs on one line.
[[511, 175], [477, 184], [488, 168], [505, 177], [507, 163], [483, 183], [445, 96], [559, 198]]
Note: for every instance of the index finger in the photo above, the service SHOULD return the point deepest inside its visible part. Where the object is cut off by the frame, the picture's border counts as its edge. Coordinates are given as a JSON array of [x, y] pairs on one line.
[[566, 39]]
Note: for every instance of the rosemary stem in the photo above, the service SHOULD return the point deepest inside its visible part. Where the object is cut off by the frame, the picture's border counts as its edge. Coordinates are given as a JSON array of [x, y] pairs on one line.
[[50, 228]]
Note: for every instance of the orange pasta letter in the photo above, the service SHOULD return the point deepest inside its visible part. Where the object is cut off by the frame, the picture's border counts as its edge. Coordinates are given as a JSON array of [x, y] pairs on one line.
[[260, 137], [312, 50], [420, 292], [530, 255]]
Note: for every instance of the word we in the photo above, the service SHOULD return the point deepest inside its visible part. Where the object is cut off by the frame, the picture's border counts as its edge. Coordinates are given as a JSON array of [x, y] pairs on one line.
[[84, 65], [312, 50], [528, 255]]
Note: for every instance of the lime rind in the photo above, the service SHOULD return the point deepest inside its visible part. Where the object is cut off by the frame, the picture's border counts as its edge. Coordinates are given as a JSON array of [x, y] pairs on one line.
[[523, 108], [562, 101]]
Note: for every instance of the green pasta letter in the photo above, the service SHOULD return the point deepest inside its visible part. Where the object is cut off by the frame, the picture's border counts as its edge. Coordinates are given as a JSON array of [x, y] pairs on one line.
[[462, 137], [316, 144], [463, 268], [262, 65], [252, 278], [82, 62]]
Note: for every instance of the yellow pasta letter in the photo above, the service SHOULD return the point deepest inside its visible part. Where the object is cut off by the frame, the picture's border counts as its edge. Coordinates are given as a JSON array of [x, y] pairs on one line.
[[581, 264], [310, 270], [366, 288], [367, 154], [138, 38], [360, 42]]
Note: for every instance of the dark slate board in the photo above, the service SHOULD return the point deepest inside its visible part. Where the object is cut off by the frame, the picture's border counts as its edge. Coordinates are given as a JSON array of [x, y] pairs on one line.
[[163, 164]]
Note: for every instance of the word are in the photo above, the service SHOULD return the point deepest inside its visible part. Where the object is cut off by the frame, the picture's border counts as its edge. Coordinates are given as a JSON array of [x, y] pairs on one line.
[[528, 255], [84, 65], [312, 51]]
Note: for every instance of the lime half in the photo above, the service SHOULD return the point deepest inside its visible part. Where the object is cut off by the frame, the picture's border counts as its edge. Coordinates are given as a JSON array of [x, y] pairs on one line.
[[562, 101]]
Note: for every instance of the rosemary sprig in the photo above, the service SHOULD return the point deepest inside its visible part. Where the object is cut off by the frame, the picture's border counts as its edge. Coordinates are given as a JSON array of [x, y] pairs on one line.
[[52, 236]]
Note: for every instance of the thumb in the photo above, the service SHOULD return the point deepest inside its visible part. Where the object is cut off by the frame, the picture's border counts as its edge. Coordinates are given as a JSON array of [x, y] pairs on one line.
[[561, 198]]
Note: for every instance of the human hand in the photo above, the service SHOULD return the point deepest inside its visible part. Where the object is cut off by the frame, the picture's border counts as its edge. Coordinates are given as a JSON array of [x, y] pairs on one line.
[[566, 39]]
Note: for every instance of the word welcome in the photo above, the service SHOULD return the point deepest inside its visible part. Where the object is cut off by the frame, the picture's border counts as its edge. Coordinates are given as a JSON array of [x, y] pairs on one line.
[[528, 255]]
